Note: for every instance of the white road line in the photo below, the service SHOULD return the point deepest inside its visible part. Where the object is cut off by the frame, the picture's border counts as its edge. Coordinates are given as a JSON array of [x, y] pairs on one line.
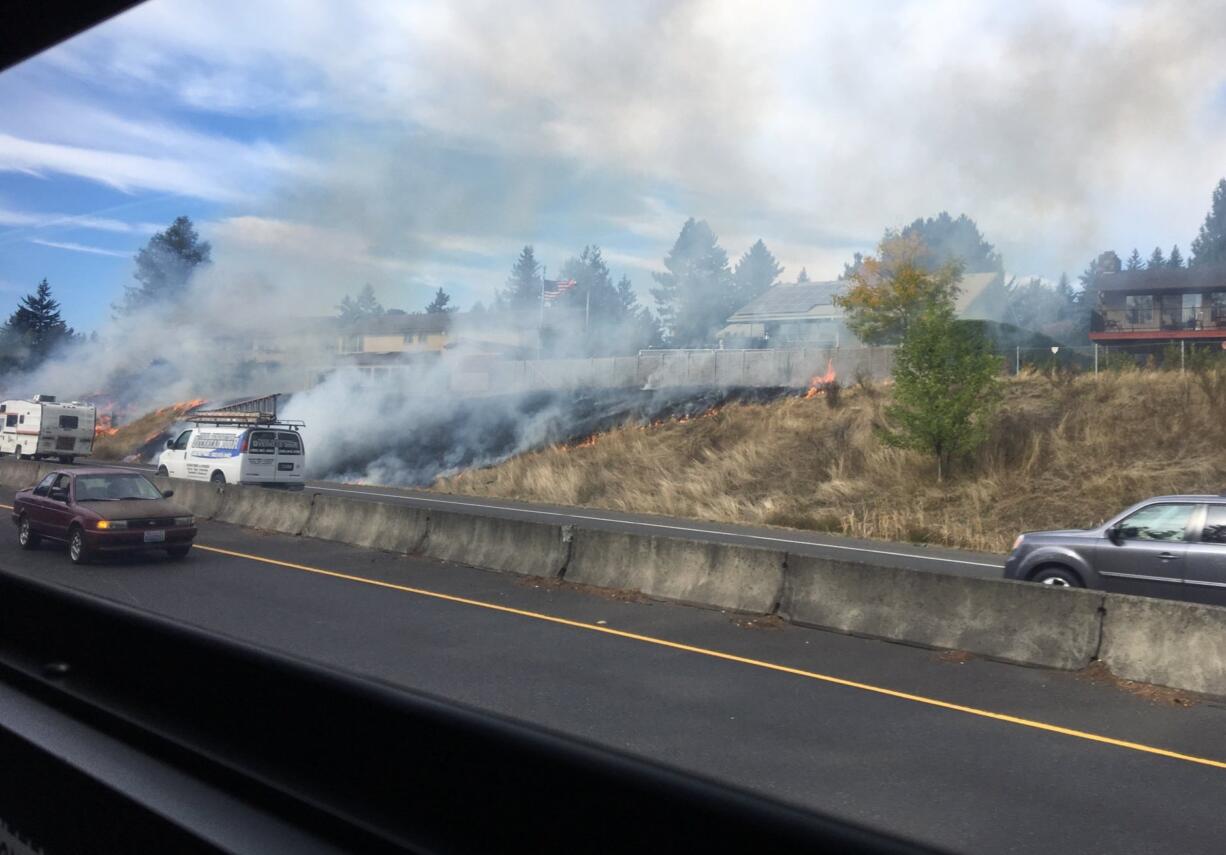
[[665, 526]]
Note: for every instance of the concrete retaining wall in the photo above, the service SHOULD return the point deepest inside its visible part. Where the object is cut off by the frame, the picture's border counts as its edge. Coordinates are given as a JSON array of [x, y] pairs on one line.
[[395, 528], [1015, 621], [200, 497], [493, 543], [18, 474], [1182, 645], [271, 510], [709, 574]]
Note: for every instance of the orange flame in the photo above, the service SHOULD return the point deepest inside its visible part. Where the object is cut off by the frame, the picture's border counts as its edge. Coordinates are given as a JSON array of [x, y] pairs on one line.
[[820, 382]]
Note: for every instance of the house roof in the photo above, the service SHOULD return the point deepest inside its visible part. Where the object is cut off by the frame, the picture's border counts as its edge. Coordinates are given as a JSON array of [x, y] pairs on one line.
[[1201, 278], [791, 302], [816, 300]]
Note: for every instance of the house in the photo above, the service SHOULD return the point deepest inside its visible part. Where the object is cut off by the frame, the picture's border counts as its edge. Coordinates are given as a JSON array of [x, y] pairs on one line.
[[804, 315], [393, 333], [1162, 305]]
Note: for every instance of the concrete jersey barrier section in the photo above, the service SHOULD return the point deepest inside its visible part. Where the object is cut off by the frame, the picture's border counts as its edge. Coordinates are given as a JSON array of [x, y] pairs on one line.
[[1181, 645], [1014, 621], [711, 574], [494, 543], [263, 508], [395, 528]]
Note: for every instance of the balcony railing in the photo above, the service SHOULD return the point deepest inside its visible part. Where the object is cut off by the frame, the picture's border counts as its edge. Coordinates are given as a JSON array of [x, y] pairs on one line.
[[1159, 319]]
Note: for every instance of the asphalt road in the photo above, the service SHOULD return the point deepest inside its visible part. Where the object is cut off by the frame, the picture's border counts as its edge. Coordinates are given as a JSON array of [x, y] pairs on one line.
[[907, 740], [908, 556]]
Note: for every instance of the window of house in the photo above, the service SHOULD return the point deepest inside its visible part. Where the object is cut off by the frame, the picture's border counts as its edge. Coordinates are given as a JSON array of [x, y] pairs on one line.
[[351, 344], [1140, 308]]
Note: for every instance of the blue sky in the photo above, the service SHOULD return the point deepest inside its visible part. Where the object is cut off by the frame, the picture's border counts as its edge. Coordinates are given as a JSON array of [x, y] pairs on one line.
[[414, 145]]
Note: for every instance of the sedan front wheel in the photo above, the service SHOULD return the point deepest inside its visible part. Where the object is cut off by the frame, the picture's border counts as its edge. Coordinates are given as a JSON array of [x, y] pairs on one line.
[[77, 550], [26, 537]]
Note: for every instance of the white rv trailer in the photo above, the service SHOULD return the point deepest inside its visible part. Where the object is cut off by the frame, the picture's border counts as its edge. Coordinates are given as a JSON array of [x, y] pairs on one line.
[[43, 427]]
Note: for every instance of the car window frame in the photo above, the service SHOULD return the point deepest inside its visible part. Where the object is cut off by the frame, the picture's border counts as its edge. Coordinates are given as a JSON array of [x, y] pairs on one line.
[[1190, 529], [67, 487], [1200, 530], [45, 483]]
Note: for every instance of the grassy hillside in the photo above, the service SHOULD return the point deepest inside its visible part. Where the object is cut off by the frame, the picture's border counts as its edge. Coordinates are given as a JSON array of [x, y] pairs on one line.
[[1064, 452], [139, 438]]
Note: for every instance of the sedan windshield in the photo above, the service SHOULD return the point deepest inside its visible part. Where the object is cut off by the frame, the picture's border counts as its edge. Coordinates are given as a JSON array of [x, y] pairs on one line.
[[98, 488]]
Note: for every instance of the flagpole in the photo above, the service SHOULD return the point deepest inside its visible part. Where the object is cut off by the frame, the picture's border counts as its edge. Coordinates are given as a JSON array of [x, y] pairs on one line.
[[541, 323]]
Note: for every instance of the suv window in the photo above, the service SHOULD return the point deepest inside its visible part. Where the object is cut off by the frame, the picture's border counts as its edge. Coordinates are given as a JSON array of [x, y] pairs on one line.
[[69, 422], [1215, 524], [44, 486], [181, 442], [1158, 522]]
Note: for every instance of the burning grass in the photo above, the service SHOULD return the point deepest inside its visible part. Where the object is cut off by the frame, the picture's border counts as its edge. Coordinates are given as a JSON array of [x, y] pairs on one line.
[[132, 440], [1065, 452]]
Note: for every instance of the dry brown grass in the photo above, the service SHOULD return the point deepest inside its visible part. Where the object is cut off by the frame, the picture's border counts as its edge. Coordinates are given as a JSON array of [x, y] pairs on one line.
[[128, 439], [1064, 452]]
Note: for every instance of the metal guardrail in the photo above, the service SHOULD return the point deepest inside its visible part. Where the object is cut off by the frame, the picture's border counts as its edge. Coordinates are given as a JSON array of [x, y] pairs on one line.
[[361, 764]]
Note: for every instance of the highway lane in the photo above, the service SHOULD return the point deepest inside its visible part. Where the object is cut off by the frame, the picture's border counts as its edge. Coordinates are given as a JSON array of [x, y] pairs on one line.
[[908, 556], [753, 702]]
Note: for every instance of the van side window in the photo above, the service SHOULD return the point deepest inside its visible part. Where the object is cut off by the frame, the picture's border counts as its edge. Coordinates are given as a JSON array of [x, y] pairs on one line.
[[69, 422], [262, 442], [181, 442], [44, 486], [288, 443]]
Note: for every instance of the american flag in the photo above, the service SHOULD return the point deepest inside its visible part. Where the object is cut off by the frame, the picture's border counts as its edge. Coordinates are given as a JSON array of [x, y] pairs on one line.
[[555, 288]]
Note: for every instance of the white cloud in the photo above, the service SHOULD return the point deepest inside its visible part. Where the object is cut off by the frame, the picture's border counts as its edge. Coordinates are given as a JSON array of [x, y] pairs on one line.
[[28, 219], [77, 247]]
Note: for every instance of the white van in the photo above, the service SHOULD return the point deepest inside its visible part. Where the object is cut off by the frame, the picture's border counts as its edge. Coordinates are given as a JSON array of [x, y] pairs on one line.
[[238, 449], [43, 427]]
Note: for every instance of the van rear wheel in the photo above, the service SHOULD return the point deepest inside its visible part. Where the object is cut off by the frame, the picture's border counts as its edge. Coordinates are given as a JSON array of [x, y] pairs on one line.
[[218, 477]]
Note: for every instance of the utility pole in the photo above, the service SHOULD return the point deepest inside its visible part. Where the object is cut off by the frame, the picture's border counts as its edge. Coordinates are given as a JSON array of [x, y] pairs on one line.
[[1095, 359], [1181, 343], [1017, 362]]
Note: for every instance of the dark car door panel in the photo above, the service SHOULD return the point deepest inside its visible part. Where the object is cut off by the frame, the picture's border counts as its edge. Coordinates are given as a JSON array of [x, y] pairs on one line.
[[1150, 550], [1205, 564]]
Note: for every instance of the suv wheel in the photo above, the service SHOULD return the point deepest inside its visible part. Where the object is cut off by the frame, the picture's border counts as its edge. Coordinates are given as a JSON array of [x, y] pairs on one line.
[[1057, 577]]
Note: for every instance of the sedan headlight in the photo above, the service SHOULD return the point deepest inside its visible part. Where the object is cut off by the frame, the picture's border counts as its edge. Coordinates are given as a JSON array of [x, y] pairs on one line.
[[111, 525], [185, 521], [1018, 542]]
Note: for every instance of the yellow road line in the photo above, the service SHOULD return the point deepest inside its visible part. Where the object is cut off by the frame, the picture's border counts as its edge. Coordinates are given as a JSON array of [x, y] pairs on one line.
[[729, 657]]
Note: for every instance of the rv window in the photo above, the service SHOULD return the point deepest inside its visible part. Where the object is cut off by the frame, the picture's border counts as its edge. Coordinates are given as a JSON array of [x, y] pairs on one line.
[[69, 422], [21, 420], [288, 443], [10, 420], [262, 442]]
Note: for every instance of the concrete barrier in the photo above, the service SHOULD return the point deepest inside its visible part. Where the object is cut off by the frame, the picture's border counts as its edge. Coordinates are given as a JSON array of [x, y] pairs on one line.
[[1014, 621], [200, 497], [1182, 645], [259, 507], [494, 543], [395, 528], [18, 474], [709, 574]]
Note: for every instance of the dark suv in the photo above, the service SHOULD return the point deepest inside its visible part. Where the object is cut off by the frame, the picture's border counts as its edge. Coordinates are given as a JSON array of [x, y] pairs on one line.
[[1167, 546]]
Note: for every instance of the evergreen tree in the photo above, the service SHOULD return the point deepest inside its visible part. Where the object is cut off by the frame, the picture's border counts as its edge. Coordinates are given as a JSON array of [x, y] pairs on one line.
[[640, 329], [165, 266], [365, 306], [1156, 259], [523, 289], [1134, 261], [695, 296], [756, 272], [1175, 259], [33, 331], [439, 304], [957, 240], [802, 278], [1209, 246]]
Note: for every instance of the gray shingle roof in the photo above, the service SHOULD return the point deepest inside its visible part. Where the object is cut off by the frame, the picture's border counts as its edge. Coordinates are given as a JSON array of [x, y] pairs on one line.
[[784, 300]]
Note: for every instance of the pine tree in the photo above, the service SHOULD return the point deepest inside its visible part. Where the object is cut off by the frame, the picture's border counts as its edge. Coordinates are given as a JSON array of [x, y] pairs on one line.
[[1175, 259], [1209, 246], [523, 289], [756, 272], [34, 331], [802, 278], [695, 296], [439, 304], [1134, 261], [1156, 259], [365, 306], [165, 265]]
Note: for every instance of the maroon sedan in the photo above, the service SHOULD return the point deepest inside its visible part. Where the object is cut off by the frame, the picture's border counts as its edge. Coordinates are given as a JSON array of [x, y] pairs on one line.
[[102, 510]]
